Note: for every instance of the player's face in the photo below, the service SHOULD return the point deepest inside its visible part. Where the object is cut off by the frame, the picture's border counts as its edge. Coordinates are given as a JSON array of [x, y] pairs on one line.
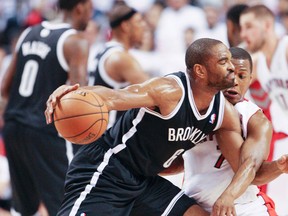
[[220, 70], [86, 14], [138, 27], [243, 79], [252, 31]]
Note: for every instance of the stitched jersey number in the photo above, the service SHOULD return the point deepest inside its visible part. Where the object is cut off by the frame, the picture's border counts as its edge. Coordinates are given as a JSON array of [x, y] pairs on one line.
[[282, 100], [220, 160], [28, 78], [172, 158]]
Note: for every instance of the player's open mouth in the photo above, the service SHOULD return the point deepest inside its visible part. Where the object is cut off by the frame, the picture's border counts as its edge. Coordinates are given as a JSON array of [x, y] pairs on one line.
[[230, 93]]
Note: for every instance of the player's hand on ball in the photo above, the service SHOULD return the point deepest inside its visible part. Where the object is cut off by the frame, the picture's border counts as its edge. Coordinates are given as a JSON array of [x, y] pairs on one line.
[[54, 98], [81, 116]]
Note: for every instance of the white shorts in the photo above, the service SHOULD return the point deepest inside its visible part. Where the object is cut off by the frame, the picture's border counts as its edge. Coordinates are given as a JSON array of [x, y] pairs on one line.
[[259, 207]]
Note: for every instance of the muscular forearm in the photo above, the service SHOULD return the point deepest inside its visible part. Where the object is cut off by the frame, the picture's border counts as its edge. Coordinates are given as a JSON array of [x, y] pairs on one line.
[[266, 173], [242, 179]]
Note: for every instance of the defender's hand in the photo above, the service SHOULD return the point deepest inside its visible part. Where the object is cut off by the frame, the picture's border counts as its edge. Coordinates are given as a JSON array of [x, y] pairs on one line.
[[282, 163], [224, 206]]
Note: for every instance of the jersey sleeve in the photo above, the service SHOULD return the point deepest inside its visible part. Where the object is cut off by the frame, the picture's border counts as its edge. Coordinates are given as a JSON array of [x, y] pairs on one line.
[[246, 109]]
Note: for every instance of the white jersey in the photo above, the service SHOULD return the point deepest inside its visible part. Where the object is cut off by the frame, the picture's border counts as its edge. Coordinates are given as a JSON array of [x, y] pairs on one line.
[[274, 80], [207, 173]]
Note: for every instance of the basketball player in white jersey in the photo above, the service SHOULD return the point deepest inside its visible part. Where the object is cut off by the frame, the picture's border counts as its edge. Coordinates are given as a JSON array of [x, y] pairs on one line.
[[271, 71], [207, 173]]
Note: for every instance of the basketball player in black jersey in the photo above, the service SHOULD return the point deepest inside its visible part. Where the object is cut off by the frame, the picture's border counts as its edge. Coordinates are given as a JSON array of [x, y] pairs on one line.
[[113, 66], [118, 173], [46, 56]]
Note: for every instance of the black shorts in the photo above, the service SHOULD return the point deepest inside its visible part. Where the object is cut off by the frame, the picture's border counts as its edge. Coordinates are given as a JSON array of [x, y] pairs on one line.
[[97, 183], [38, 164]]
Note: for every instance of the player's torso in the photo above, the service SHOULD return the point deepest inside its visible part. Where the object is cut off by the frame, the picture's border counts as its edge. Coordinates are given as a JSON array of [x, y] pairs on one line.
[[274, 80], [152, 141], [207, 173], [99, 76], [41, 68]]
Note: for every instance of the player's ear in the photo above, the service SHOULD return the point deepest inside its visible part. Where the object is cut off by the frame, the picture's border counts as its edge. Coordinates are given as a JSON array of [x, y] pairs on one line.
[[125, 26], [79, 9], [199, 70], [251, 79]]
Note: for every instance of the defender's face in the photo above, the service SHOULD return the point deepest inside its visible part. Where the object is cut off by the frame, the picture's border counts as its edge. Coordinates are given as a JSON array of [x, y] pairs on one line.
[[220, 69], [252, 31], [243, 79]]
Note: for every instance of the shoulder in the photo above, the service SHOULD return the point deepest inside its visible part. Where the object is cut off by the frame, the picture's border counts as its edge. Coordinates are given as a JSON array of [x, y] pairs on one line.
[[247, 106], [120, 55], [231, 118], [76, 42], [76, 37]]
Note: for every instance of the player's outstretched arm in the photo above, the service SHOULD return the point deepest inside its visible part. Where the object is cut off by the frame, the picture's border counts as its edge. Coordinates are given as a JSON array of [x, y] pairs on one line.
[[271, 170], [164, 93], [251, 154]]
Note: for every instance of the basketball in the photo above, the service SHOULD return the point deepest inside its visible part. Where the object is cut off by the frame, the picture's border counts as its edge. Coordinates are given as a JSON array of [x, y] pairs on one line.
[[81, 116]]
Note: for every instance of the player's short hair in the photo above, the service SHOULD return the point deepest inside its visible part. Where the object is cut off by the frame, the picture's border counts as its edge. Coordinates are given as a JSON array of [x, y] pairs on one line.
[[234, 12], [239, 53], [200, 51], [119, 13], [69, 4], [260, 11]]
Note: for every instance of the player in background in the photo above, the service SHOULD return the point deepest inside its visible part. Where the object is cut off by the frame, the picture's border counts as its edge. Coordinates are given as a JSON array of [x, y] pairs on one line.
[[113, 66], [205, 162], [270, 54], [166, 116], [46, 56], [233, 25]]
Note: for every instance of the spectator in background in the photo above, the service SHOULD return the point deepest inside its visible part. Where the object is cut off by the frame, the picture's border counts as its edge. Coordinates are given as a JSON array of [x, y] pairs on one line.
[[216, 27], [145, 53], [233, 24], [283, 13], [46, 56], [178, 16]]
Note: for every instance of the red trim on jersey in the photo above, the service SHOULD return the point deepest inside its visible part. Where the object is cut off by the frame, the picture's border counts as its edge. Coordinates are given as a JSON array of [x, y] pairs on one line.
[[269, 203], [256, 86], [2, 147]]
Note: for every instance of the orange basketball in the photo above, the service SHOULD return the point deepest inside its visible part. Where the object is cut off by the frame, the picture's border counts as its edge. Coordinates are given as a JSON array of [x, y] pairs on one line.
[[81, 117]]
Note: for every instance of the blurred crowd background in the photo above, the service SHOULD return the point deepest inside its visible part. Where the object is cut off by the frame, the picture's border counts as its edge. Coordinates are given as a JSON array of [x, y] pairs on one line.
[[171, 26]]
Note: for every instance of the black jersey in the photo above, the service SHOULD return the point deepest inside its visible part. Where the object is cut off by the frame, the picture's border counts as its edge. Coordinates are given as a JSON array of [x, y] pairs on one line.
[[99, 76], [148, 142], [41, 68]]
